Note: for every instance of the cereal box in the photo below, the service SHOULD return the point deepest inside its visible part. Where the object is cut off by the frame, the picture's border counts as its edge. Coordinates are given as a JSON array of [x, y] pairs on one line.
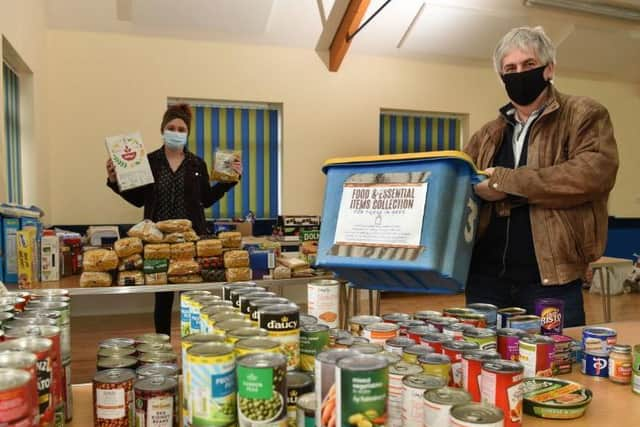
[[130, 159]]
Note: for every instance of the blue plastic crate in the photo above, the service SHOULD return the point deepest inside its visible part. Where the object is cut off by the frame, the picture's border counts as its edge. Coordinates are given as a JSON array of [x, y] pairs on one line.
[[403, 223]]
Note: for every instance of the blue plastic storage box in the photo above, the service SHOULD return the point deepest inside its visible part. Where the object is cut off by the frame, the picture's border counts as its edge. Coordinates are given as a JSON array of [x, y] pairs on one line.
[[404, 223]]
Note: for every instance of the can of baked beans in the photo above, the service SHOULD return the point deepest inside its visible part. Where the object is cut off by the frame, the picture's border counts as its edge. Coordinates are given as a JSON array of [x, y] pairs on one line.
[[24, 361], [455, 350], [472, 369], [501, 385], [406, 325], [16, 395], [434, 340], [113, 398], [417, 332]]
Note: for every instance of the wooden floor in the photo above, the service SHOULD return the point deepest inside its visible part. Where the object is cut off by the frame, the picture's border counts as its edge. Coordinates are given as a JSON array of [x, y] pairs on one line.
[[87, 332]]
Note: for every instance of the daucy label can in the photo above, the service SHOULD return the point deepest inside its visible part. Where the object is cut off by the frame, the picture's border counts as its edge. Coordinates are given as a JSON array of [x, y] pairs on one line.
[[551, 312], [282, 322], [314, 339], [362, 384]]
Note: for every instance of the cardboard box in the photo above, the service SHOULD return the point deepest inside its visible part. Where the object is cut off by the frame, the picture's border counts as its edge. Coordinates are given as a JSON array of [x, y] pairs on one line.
[[28, 222], [49, 258], [130, 159], [262, 260], [26, 253], [10, 226]]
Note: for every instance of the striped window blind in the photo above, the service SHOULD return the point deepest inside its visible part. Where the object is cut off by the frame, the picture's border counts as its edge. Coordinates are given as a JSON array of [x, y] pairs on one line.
[[411, 133], [11, 84], [254, 130]]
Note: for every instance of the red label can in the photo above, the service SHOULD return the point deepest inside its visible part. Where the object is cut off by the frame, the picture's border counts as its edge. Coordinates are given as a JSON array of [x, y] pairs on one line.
[[536, 355], [440, 322], [455, 350], [474, 319], [472, 369], [417, 332], [509, 343], [409, 324], [24, 361], [57, 372], [15, 395], [501, 386], [434, 340]]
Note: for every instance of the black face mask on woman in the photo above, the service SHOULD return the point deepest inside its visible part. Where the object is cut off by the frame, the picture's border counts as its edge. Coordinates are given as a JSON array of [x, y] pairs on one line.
[[523, 88]]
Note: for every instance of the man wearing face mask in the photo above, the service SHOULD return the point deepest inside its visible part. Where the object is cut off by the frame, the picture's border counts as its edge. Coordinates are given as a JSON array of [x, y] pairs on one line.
[[181, 190], [552, 161]]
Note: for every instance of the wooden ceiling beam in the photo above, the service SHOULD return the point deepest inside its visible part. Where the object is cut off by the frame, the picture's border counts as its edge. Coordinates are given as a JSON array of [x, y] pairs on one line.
[[349, 24]]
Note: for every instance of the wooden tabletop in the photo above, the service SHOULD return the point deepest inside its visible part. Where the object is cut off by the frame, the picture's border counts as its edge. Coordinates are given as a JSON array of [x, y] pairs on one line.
[[612, 404]]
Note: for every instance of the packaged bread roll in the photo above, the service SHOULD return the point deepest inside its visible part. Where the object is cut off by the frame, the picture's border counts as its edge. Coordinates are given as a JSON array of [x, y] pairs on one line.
[[130, 278], [213, 275], [147, 231], [238, 274], [157, 251], [181, 237], [152, 266], [183, 251], [231, 239], [128, 246], [223, 161], [281, 272], [99, 260], [293, 263], [236, 259], [174, 225], [183, 267], [132, 262], [187, 278], [208, 248], [90, 279], [211, 263], [156, 279]]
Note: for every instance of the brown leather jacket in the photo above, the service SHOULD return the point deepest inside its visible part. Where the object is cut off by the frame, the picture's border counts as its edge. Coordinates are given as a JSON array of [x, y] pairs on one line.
[[571, 167]]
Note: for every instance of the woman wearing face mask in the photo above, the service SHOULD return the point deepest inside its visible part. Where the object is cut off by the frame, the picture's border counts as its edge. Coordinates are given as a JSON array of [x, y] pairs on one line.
[[181, 190], [552, 161]]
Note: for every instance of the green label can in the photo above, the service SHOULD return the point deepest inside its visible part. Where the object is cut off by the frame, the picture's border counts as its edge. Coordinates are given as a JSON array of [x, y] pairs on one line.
[[314, 339], [262, 390], [362, 387]]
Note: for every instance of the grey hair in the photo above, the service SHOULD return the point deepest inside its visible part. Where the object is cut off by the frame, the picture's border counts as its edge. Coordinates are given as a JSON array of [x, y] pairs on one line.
[[525, 38]]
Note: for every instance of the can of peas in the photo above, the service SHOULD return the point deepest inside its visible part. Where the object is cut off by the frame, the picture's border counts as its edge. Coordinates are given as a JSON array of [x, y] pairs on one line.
[[262, 390]]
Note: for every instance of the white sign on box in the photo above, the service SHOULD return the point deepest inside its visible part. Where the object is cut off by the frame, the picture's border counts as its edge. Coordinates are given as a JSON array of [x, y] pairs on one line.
[[388, 215], [130, 159]]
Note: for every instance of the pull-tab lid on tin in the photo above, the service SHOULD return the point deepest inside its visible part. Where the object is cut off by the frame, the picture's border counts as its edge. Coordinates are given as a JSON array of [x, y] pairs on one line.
[[112, 376], [510, 332], [622, 348], [156, 384], [257, 343], [363, 362], [210, 349], [537, 339], [17, 359], [503, 366], [461, 345], [404, 368], [13, 378], [203, 338], [481, 355], [307, 402], [367, 348], [314, 328], [418, 349], [424, 381], [334, 355], [163, 370], [263, 360], [298, 379], [434, 359], [448, 396], [117, 343], [477, 413]]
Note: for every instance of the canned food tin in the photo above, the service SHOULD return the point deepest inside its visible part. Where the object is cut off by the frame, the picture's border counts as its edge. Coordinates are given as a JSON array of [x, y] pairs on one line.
[[405, 325], [620, 364], [117, 343], [456, 331], [152, 339], [343, 342], [298, 384], [257, 345], [62, 307], [412, 353], [413, 389], [238, 292], [306, 412], [635, 382], [380, 332], [158, 347], [113, 398], [361, 390], [397, 372], [105, 363], [417, 332], [149, 358], [509, 343], [598, 339], [185, 310], [528, 323], [307, 320], [434, 340], [43, 293], [210, 395], [360, 340], [472, 369], [255, 305], [476, 415], [18, 389], [225, 327], [197, 303], [156, 402], [477, 320], [426, 314], [282, 322], [4, 318], [18, 303], [314, 339], [357, 324], [228, 287], [485, 338], [596, 364], [636, 358], [245, 300], [262, 390], [224, 316], [325, 380], [501, 385], [456, 311], [323, 297], [398, 344], [166, 370], [438, 404], [455, 350], [536, 355], [191, 340], [551, 312], [117, 352], [206, 324], [57, 371], [440, 322], [436, 364], [336, 334], [391, 358], [396, 317], [490, 312], [367, 348], [235, 335], [504, 314]]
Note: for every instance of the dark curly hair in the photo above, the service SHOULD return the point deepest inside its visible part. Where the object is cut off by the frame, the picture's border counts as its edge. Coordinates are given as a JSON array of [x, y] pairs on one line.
[[177, 111]]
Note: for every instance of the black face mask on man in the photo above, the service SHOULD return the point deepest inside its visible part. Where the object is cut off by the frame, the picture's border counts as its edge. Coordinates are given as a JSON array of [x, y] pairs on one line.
[[523, 88]]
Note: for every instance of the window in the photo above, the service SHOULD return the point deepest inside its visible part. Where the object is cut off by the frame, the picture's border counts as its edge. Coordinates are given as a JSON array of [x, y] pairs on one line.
[[406, 132], [11, 84], [253, 129]]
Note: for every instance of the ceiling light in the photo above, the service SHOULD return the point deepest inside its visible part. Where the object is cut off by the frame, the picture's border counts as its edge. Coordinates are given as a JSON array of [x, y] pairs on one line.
[[594, 8]]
